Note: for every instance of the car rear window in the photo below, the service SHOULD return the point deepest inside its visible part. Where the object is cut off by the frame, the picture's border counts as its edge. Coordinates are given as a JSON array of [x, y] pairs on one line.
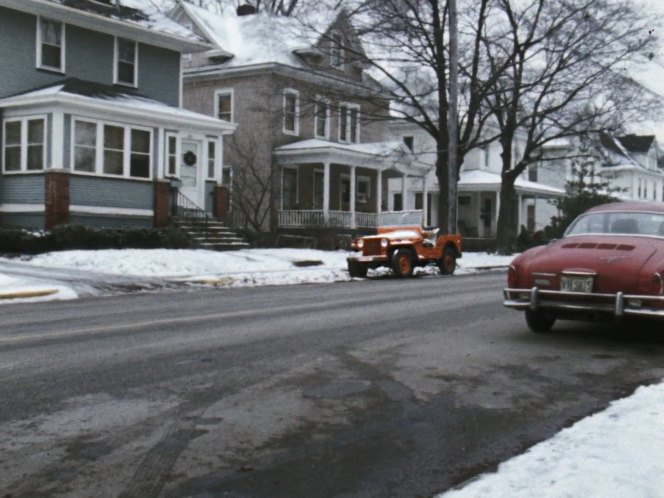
[[617, 222]]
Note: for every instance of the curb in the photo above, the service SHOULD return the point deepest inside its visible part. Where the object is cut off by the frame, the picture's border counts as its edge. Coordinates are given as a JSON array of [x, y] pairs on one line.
[[27, 294]]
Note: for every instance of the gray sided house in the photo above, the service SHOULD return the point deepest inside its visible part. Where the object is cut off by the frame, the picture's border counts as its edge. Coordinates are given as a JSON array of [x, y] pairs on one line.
[[92, 130], [312, 146]]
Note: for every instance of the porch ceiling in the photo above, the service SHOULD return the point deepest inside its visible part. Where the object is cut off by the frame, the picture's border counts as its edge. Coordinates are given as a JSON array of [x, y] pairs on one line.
[[384, 156]]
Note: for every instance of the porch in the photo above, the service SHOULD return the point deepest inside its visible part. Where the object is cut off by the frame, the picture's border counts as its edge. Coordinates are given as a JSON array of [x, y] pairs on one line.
[[326, 184]]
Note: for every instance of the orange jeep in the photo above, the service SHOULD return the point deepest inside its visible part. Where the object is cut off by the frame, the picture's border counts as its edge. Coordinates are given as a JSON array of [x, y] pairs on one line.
[[403, 248]]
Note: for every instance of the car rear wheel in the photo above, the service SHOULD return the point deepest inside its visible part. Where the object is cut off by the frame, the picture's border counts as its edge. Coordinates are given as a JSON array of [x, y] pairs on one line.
[[539, 320], [402, 263], [447, 264], [357, 270]]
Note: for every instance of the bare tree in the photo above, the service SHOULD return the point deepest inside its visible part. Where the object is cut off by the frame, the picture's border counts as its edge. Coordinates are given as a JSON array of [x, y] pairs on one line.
[[407, 42], [277, 7], [563, 79]]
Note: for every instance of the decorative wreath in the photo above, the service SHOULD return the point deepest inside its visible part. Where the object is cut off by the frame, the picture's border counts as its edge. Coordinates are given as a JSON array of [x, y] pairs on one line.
[[189, 158]]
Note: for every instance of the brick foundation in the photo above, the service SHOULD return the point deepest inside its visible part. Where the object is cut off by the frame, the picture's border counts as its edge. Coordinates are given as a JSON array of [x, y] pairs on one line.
[[56, 198], [161, 204], [222, 202]]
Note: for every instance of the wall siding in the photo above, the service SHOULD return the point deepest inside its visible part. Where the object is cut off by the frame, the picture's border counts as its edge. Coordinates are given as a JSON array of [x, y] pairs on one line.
[[96, 221], [110, 192], [22, 189], [33, 221], [88, 56]]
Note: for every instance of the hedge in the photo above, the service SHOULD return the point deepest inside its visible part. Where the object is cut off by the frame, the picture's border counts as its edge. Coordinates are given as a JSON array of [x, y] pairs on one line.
[[65, 237]]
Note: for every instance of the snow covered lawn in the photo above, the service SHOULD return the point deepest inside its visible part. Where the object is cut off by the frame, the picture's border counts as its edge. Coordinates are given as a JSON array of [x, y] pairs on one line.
[[615, 453]]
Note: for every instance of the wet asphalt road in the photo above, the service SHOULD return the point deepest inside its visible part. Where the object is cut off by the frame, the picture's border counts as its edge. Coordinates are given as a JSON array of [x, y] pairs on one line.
[[380, 387]]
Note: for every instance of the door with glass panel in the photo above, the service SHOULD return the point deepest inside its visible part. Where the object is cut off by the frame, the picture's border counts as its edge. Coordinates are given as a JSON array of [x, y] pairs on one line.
[[190, 172]]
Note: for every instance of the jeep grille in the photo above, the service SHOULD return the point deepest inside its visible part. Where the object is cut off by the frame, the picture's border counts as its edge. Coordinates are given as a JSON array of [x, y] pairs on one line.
[[371, 247]]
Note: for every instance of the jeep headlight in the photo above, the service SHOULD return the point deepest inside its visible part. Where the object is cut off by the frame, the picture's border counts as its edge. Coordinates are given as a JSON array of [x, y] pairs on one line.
[[359, 243], [384, 243]]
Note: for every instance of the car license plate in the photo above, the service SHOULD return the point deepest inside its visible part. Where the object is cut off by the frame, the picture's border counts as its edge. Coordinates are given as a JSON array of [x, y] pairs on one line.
[[576, 284]]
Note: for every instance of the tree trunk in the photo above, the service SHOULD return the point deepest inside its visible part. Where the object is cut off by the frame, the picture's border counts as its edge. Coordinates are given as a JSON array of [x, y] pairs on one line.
[[506, 231], [443, 188]]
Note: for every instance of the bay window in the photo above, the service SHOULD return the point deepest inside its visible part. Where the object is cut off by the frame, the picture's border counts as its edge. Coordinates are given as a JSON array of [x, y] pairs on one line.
[[111, 149]]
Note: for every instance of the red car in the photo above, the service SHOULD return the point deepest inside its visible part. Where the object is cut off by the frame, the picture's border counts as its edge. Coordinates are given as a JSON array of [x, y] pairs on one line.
[[609, 263]]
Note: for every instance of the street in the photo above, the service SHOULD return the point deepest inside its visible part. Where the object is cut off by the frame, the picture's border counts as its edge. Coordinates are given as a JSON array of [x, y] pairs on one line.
[[378, 387]]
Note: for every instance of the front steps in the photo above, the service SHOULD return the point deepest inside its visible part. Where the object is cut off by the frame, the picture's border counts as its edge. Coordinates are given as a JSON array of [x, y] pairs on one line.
[[212, 235]]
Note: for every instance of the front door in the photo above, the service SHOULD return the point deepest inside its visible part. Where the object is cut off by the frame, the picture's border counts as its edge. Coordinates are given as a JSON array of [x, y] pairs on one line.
[[190, 172]]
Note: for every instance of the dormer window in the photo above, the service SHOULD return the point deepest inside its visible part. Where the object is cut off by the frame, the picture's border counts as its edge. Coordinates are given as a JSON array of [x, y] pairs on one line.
[[50, 45], [336, 49], [126, 62]]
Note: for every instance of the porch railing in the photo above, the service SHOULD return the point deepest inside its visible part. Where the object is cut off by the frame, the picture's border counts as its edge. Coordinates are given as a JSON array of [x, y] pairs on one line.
[[344, 219]]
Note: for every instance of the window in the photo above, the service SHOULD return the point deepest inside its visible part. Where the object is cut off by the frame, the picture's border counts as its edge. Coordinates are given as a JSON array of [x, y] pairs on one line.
[[50, 45], [336, 49], [289, 188], [212, 160], [349, 125], [319, 188], [172, 155], [409, 142], [227, 176], [85, 146], [363, 191], [322, 118], [532, 173], [224, 104], [419, 200], [139, 160], [487, 158], [126, 59], [24, 144], [291, 111], [112, 149], [398, 202]]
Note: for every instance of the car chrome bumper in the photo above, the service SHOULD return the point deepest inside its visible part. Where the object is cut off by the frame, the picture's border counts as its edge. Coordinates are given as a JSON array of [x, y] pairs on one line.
[[367, 259], [618, 304]]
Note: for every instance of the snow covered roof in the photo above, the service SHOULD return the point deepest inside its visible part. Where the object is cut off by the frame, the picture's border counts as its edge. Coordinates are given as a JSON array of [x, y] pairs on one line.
[[377, 155], [255, 39], [474, 179], [95, 95], [138, 19]]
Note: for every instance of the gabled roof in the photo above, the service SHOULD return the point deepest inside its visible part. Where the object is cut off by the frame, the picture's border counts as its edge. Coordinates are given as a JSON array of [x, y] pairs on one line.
[[637, 143], [263, 38], [112, 99], [136, 19]]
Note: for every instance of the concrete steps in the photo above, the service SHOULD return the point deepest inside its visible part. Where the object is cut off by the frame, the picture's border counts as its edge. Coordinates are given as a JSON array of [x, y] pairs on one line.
[[212, 235]]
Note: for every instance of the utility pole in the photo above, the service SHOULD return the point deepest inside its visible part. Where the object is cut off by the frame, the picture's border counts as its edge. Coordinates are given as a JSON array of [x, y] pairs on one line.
[[452, 121]]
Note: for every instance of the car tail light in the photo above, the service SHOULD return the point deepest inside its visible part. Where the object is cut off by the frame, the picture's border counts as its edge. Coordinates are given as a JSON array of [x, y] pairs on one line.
[[657, 284], [512, 277]]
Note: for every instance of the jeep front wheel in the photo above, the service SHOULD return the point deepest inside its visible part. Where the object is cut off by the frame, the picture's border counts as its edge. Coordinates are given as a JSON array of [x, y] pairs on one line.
[[447, 264], [402, 263], [357, 270]]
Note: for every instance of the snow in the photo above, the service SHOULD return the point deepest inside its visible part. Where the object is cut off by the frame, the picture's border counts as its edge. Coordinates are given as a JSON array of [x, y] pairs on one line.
[[242, 268], [39, 290], [485, 178], [614, 453]]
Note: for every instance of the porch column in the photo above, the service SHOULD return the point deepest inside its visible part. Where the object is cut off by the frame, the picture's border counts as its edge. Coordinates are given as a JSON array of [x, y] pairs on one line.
[[326, 191], [403, 191], [352, 196], [425, 204], [379, 191]]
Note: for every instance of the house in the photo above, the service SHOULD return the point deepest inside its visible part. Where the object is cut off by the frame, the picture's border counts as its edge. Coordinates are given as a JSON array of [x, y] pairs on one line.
[[631, 164], [92, 128], [478, 186], [312, 146]]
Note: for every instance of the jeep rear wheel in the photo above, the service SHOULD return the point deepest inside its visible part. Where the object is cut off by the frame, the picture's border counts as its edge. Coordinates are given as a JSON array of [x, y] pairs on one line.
[[539, 321], [402, 263], [447, 264], [357, 270]]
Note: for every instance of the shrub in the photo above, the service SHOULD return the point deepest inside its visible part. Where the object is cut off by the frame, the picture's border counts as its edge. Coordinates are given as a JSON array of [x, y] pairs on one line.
[[65, 237]]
